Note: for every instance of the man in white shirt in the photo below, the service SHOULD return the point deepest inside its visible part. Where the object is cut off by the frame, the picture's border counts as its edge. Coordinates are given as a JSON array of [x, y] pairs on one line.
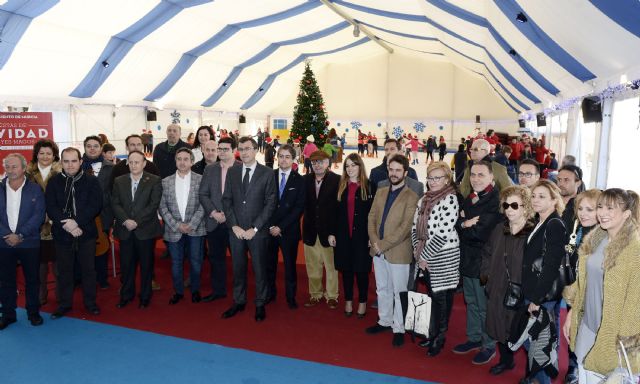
[[184, 226], [22, 211]]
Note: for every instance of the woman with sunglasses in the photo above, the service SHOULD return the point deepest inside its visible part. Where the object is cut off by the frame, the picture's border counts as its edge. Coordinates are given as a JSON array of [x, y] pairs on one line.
[[606, 296], [543, 253], [436, 248], [502, 264]]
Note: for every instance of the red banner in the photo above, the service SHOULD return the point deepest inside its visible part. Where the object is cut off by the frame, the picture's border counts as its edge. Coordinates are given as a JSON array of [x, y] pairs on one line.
[[19, 131]]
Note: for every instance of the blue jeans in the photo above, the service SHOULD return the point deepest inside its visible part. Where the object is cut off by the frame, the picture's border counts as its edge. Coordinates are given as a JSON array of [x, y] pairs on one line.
[[195, 246], [553, 308]]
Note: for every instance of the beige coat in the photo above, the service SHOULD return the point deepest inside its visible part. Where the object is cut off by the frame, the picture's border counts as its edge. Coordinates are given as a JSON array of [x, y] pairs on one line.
[[396, 244], [33, 173], [621, 302]]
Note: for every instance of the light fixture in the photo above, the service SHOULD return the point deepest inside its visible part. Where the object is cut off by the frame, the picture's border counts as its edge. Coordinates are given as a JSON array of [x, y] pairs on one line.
[[224, 84], [356, 30], [521, 18], [105, 64], [261, 89], [513, 52]]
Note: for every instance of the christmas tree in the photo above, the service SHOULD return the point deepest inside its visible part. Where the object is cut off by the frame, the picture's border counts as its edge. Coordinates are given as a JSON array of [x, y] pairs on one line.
[[309, 116]]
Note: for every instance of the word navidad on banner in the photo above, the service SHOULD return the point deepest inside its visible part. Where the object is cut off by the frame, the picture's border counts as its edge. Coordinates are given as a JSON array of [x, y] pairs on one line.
[[20, 131]]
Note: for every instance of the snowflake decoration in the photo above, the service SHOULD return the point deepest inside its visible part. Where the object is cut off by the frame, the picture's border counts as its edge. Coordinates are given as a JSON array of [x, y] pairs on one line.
[[419, 126], [356, 125], [397, 131], [175, 117]]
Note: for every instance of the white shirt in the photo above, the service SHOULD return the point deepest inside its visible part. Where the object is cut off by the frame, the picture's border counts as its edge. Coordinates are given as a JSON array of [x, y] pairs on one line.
[[252, 167], [13, 205], [96, 168], [197, 153], [44, 171], [182, 193], [134, 186]]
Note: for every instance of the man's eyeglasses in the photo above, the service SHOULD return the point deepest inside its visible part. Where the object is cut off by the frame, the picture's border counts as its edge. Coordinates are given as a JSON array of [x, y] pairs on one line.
[[435, 179], [526, 174], [478, 149], [513, 206], [223, 149]]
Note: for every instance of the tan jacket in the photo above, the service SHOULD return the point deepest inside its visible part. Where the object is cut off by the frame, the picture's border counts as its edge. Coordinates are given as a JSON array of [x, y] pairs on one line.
[[33, 174], [396, 244], [621, 299]]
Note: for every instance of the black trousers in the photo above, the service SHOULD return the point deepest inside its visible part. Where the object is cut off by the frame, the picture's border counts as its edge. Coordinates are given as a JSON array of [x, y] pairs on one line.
[[441, 305], [258, 248], [66, 253], [30, 261], [362, 278], [218, 240], [506, 354], [102, 265], [289, 247], [133, 252]]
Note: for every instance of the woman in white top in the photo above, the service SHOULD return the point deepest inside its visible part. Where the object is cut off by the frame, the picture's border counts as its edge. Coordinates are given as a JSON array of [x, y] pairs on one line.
[[203, 134]]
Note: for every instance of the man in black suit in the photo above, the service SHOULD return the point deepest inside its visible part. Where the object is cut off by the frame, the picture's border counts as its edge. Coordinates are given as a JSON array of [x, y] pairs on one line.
[[72, 207], [249, 199], [164, 154], [211, 190], [321, 204], [285, 225], [135, 199]]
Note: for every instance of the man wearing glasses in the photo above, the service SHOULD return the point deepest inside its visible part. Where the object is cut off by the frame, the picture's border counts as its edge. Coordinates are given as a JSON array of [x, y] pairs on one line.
[[480, 150], [249, 199], [528, 173], [211, 190]]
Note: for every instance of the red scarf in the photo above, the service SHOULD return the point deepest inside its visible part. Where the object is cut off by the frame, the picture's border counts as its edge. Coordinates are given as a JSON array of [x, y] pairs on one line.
[[475, 197], [430, 199]]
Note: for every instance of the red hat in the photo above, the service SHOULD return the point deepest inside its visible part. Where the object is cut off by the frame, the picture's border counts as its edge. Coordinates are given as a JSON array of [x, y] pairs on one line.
[[296, 141]]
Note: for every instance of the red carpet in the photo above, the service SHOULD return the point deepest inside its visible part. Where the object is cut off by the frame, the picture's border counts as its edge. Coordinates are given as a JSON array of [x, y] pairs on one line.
[[315, 334]]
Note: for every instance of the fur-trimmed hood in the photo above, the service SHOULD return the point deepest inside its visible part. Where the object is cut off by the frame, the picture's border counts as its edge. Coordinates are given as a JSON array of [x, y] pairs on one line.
[[627, 234]]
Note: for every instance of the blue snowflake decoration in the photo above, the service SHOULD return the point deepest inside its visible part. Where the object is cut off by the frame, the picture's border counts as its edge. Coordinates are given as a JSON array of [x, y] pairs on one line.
[[346, 130], [397, 132], [419, 126], [356, 125], [159, 127], [175, 117]]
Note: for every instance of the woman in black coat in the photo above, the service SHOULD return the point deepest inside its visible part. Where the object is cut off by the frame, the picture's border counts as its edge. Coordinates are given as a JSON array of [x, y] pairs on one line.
[[351, 252], [543, 254]]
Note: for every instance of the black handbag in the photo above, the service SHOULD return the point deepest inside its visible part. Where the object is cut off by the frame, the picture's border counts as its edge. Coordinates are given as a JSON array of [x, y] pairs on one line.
[[513, 297], [566, 273]]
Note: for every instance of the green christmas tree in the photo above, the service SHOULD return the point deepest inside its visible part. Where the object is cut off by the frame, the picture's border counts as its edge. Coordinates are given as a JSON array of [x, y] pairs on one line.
[[309, 115]]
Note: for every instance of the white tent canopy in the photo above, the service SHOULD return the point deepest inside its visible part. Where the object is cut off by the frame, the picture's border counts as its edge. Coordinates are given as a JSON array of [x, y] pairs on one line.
[[228, 54]]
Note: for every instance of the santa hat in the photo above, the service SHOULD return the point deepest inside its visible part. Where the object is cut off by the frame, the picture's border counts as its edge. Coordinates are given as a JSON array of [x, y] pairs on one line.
[[296, 141]]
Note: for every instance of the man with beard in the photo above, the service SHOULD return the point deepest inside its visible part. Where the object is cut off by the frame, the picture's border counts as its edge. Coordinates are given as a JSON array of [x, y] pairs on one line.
[[390, 221]]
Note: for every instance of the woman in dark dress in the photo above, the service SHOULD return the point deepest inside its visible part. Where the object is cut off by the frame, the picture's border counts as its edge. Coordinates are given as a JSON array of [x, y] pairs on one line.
[[502, 262], [351, 252]]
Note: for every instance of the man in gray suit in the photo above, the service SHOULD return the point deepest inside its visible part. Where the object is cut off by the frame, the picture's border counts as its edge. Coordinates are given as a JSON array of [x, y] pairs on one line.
[[249, 200], [211, 190], [183, 224], [135, 199]]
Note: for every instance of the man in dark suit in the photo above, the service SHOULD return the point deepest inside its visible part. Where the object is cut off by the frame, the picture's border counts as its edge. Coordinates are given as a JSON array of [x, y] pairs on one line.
[[21, 215], [321, 204], [135, 199], [133, 143], [164, 153], [72, 207], [211, 190], [249, 199], [285, 225]]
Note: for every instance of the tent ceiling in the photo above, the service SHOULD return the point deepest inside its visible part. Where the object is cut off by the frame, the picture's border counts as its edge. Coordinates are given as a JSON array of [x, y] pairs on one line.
[[228, 54]]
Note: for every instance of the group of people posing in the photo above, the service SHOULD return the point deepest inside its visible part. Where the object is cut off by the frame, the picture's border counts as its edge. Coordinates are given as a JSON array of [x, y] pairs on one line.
[[501, 241]]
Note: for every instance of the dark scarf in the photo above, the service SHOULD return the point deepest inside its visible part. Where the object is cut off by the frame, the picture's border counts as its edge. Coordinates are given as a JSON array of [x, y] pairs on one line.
[[70, 194], [87, 162], [430, 199]]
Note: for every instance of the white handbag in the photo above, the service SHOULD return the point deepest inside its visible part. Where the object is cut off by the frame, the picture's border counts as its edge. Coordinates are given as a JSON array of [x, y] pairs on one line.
[[621, 375], [418, 313]]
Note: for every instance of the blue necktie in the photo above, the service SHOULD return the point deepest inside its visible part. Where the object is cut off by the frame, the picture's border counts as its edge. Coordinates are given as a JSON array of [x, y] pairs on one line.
[[283, 181]]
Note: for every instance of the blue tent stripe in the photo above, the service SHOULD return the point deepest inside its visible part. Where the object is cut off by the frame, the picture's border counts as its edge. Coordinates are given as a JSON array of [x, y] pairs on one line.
[[482, 22], [498, 93], [537, 36], [266, 53], [262, 90], [223, 35], [15, 18], [625, 13], [120, 44], [403, 16], [401, 34]]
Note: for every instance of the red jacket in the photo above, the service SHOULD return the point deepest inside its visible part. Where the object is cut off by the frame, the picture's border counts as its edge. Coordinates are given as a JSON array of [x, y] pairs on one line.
[[516, 150]]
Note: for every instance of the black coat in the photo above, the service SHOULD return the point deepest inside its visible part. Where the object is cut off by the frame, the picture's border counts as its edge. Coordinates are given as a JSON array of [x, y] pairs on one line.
[[289, 208], [320, 212], [352, 253], [473, 239], [165, 159], [535, 287]]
